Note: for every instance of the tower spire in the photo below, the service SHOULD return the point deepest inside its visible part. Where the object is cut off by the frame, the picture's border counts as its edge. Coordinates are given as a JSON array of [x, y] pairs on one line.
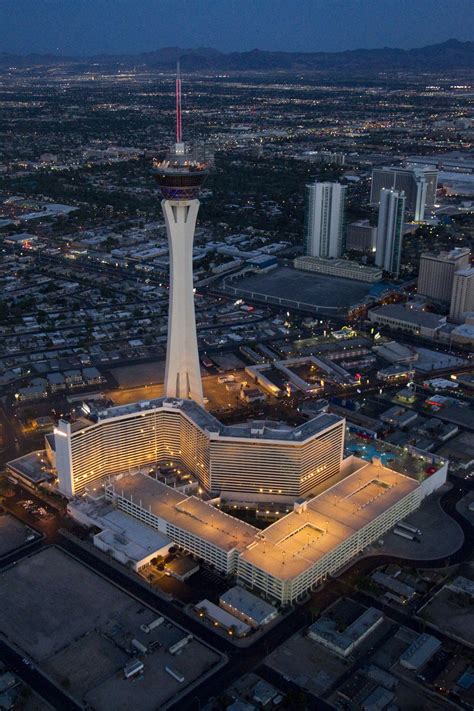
[[179, 126]]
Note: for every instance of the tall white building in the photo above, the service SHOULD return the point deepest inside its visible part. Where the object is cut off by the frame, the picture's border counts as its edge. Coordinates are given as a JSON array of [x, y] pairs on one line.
[[180, 176], [462, 297], [390, 231], [260, 460], [419, 183], [324, 219], [436, 276]]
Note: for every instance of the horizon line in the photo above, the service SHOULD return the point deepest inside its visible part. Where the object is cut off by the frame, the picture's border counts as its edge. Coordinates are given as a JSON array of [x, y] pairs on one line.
[[57, 53]]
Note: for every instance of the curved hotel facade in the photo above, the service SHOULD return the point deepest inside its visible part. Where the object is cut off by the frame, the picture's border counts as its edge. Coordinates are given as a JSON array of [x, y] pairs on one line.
[[256, 460]]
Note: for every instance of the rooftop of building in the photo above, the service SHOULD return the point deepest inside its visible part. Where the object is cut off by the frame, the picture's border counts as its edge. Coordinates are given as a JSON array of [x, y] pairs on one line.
[[339, 263], [409, 168], [285, 548], [452, 255], [414, 316], [248, 604], [255, 429], [223, 617], [133, 538], [396, 350], [327, 628], [188, 513], [33, 466], [407, 461]]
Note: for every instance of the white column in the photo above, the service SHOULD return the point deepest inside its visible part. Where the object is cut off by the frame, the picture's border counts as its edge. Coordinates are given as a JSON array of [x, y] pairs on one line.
[[64, 463], [183, 373]]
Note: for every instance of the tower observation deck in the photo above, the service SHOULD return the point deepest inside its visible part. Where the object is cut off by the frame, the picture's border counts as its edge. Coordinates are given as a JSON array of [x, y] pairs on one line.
[[180, 176]]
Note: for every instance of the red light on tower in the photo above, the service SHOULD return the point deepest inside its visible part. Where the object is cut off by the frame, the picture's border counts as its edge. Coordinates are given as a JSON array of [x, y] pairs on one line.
[[179, 125]]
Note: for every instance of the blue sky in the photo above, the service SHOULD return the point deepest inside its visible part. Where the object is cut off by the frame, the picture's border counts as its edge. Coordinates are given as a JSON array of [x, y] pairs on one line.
[[133, 26]]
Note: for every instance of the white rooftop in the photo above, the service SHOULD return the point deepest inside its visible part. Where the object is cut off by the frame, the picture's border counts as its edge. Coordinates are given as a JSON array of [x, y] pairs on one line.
[[135, 539], [287, 547], [250, 605], [186, 512]]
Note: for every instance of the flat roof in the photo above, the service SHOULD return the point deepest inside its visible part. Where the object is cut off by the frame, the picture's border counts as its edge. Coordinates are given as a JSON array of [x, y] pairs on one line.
[[249, 604], [286, 548], [415, 316], [126, 533], [327, 628], [188, 513], [33, 466], [223, 617], [339, 263], [255, 429], [314, 288]]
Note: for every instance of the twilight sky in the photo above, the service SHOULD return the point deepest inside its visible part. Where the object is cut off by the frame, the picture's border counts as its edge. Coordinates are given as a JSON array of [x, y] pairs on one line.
[[133, 26]]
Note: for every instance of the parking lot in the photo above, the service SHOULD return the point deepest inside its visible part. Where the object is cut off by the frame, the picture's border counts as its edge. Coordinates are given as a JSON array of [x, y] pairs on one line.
[[315, 289], [220, 396]]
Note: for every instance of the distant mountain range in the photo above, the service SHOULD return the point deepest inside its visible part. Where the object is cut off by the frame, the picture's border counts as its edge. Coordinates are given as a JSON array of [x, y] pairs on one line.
[[450, 55]]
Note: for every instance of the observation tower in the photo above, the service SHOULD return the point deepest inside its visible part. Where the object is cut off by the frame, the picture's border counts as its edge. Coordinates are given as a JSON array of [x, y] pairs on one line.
[[180, 176]]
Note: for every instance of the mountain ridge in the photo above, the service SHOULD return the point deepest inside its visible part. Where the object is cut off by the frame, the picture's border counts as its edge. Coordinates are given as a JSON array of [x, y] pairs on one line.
[[448, 55]]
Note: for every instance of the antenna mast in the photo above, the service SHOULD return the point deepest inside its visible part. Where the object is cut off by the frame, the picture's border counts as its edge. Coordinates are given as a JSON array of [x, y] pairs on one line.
[[179, 127]]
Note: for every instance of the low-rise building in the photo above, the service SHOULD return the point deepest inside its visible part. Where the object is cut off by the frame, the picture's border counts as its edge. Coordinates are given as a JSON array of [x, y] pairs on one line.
[[420, 652], [32, 393], [338, 267], [193, 524], [393, 585], [56, 382], [73, 378], [181, 568], [398, 416], [294, 554], [397, 316], [397, 353], [248, 607], [395, 373], [344, 642], [92, 376], [222, 618], [407, 395]]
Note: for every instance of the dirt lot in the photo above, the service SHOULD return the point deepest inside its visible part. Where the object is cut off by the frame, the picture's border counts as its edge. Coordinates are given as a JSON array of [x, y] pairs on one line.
[[447, 612], [80, 628], [13, 534]]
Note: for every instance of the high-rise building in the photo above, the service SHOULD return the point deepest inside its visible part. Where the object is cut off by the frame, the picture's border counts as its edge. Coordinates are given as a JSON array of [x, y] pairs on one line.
[[324, 219], [180, 175], [436, 276], [462, 298], [255, 460], [361, 236], [419, 183], [390, 230]]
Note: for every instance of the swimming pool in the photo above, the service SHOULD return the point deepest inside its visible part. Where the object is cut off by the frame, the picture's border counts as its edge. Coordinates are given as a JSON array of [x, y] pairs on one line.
[[368, 451]]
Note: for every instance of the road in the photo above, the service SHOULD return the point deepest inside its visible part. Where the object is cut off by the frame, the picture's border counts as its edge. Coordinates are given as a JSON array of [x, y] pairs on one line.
[[38, 682]]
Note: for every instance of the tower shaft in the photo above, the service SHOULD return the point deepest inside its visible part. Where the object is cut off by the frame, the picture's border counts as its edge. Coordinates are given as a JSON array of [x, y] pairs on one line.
[[182, 373]]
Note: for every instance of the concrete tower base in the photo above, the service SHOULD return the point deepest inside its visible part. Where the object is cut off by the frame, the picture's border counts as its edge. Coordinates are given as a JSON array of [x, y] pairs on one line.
[[182, 373]]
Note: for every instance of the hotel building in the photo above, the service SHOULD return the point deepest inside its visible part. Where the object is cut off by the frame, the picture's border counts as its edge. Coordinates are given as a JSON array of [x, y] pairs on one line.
[[249, 461]]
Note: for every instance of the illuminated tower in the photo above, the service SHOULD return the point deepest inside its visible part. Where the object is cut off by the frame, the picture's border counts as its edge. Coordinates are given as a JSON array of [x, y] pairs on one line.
[[180, 176], [324, 219]]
